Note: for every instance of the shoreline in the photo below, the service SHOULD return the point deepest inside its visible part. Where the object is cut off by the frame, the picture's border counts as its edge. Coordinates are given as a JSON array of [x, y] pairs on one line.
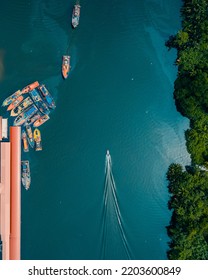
[[188, 187]]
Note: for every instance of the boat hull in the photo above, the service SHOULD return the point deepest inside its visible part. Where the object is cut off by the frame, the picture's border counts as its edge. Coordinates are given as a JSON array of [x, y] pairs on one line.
[[41, 121], [33, 119], [47, 96], [75, 15], [15, 103], [25, 178], [22, 106], [28, 113], [25, 142], [65, 66], [30, 87], [11, 98], [39, 102], [37, 138], [30, 136]]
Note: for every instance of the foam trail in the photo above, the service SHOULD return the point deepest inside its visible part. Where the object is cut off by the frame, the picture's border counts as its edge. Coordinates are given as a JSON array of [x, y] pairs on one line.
[[111, 207]]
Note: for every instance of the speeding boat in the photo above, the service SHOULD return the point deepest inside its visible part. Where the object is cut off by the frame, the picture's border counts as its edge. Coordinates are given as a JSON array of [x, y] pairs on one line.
[[108, 160]]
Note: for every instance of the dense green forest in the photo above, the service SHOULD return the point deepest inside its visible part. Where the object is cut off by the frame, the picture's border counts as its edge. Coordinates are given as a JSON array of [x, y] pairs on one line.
[[188, 229]]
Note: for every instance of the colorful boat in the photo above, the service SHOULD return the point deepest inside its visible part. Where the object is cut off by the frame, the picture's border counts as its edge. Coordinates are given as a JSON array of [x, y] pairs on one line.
[[47, 96], [28, 113], [26, 179], [15, 103], [30, 87], [24, 140], [76, 15], [39, 102], [37, 138], [30, 135], [41, 120], [32, 119], [22, 106], [65, 66], [11, 98]]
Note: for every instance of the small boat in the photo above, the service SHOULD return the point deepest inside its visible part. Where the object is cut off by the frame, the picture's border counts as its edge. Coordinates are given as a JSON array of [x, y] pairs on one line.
[[75, 15], [39, 102], [26, 179], [30, 87], [11, 98], [30, 135], [28, 113], [22, 106], [41, 120], [107, 161], [37, 138], [47, 96], [65, 66], [15, 103], [32, 119], [24, 140]]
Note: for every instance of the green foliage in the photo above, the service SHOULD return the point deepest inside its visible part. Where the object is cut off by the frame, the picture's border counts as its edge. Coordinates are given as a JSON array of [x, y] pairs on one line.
[[189, 223], [188, 188], [182, 38]]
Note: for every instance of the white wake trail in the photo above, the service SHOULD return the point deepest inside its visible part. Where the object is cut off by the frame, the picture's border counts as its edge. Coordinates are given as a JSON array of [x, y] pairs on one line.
[[111, 208]]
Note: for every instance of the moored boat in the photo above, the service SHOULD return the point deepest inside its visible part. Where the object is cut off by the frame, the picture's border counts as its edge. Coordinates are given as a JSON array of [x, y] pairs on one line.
[[47, 96], [30, 87], [26, 178], [32, 119], [39, 102], [76, 15], [65, 66], [30, 135], [37, 138], [41, 120], [15, 103], [22, 106], [24, 140], [28, 113], [11, 98]]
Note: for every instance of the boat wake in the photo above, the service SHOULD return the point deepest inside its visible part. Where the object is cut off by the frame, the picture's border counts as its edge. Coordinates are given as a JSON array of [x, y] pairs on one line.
[[112, 219]]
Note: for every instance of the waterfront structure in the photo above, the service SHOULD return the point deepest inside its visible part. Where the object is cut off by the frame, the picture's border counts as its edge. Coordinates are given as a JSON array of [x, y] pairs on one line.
[[10, 193]]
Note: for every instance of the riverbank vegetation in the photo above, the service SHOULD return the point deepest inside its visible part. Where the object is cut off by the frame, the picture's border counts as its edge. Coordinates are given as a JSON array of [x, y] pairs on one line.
[[188, 188]]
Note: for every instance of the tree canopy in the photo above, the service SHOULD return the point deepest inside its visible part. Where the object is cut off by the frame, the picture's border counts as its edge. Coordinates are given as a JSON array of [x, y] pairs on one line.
[[188, 188]]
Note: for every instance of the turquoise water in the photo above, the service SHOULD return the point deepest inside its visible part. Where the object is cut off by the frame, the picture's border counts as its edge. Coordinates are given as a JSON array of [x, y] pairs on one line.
[[118, 97]]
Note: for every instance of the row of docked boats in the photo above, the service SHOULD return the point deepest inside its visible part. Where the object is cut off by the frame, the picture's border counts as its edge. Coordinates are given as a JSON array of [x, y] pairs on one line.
[[32, 139], [30, 107], [34, 109]]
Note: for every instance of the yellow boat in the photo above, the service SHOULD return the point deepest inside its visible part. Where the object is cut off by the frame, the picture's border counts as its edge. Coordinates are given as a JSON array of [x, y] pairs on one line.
[[37, 138]]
